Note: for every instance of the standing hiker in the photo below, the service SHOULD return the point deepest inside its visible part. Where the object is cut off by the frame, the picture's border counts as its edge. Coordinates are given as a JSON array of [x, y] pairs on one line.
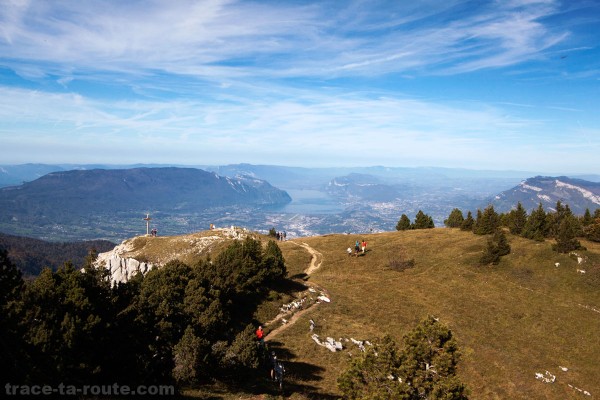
[[260, 336]]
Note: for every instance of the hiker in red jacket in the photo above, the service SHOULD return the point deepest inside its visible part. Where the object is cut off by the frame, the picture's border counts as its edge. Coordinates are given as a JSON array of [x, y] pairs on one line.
[[260, 335]]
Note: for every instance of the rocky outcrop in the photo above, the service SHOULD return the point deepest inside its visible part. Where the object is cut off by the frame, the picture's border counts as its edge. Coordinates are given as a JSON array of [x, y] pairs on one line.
[[131, 257], [122, 269]]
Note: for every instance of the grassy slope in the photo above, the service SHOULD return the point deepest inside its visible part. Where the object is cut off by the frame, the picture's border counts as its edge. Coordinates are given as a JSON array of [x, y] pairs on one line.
[[511, 321], [188, 248]]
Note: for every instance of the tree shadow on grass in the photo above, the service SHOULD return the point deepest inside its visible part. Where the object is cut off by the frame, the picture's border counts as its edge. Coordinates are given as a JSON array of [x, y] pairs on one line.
[[293, 284], [300, 276], [299, 375]]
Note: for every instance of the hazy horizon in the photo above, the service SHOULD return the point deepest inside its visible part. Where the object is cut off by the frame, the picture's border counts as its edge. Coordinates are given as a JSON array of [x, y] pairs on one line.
[[324, 167]]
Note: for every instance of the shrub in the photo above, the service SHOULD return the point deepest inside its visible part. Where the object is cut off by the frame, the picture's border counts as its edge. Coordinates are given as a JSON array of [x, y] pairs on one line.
[[425, 367], [497, 246]]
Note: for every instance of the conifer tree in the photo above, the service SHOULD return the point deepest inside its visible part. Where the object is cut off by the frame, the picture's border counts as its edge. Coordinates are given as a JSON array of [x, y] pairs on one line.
[[587, 218], [468, 223], [477, 222], [487, 222], [422, 221], [187, 357], [11, 283], [403, 223], [565, 237], [497, 246], [536, 226], [592, 231], [68, 313], [15, 361], [597, 213], [455, 219], [424, 367], [554, 219], [272, 263], [517, 219]]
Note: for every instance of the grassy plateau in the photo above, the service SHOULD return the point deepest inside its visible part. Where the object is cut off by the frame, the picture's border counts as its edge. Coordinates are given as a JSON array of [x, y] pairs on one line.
[[512, 320]]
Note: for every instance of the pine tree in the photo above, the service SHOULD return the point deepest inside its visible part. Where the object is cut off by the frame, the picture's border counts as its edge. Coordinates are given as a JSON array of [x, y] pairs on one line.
[[565, 237], [272, 265], [468, 223], [422, 221], [487, 222], [592, 231], [477, 222], [187, 357], [428, 362], [536, 226], [554, 219], [517, 219], [424, 367], [11, 282], [497, 246], [403, 223], [587, 218], [15, 360], [455, 219]]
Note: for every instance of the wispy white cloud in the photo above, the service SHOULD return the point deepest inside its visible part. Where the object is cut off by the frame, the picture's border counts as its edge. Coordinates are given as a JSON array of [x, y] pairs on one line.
[[229, 39], [230, 81], [327, 128]]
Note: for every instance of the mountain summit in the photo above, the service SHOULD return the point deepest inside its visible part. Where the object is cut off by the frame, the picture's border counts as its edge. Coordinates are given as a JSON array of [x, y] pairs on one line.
[[577, 193]]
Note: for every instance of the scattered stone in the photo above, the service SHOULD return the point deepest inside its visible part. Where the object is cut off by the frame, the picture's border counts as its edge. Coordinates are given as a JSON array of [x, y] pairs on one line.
[[329, 343], [585, 392], [546, 378], [359, 343], [294, 305], [324, 298], [336, 344]]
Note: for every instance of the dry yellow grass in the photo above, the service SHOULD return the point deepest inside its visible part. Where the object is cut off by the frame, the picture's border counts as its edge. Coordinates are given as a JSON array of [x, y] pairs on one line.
[[511, 320]]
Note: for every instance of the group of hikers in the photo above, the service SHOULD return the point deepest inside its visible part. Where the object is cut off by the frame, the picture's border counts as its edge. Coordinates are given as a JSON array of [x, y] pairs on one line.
[[359, 248], [281, 235], [276, 367]]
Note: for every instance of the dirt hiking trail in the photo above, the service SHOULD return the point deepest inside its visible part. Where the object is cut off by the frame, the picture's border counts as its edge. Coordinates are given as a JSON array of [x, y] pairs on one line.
[[315, 264]]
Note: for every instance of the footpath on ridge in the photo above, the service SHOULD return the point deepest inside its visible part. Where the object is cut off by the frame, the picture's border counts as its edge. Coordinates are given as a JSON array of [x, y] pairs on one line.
[[315, 264]]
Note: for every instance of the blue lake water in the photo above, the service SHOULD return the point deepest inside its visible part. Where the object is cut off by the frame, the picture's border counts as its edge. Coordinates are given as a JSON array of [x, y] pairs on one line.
[[306, 201]]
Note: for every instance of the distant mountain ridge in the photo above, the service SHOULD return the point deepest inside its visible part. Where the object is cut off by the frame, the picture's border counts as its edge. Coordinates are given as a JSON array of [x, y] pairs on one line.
[[363, 187], [579, 194], [89, 198], [302, 201], [138, 189]]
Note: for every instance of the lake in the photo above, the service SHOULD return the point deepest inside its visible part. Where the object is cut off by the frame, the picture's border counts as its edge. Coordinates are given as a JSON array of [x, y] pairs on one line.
[[308, 201]]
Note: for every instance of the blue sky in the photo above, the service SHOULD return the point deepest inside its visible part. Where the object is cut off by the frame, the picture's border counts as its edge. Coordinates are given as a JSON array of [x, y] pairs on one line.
[[504, 85]]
